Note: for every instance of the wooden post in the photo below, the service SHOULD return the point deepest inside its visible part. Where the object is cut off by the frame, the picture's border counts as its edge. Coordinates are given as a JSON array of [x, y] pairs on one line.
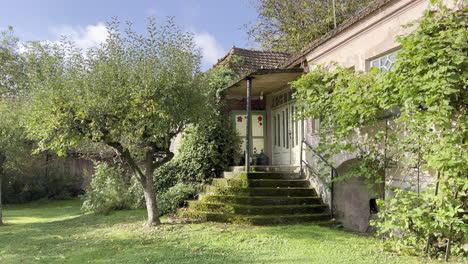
[[249, 124]]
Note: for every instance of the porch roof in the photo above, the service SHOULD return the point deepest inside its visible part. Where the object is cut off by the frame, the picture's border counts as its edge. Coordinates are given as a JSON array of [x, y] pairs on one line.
[[263, 80]]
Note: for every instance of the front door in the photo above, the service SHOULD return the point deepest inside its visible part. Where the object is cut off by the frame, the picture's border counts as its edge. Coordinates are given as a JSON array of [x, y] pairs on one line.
[[257, 133], [287, 135]]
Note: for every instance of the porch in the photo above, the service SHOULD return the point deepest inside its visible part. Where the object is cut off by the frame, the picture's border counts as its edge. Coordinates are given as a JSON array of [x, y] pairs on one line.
[[262, 110]]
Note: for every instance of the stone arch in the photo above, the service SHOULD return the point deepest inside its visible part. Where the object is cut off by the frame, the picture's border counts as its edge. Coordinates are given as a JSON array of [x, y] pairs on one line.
[[352, 199]]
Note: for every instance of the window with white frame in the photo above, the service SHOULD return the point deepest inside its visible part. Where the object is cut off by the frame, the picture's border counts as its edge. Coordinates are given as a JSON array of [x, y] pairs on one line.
[[385, 62]]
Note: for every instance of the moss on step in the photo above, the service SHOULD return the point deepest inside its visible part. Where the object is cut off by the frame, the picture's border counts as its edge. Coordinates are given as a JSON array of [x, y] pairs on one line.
[[291, 192], [277, 183], [253, 220], [226, 208], [261, 200], [271, 183], [271, 175], [239, 183]]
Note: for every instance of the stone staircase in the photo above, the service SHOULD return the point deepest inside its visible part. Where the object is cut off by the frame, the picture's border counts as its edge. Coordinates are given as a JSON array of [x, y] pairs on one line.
[[268, 196]]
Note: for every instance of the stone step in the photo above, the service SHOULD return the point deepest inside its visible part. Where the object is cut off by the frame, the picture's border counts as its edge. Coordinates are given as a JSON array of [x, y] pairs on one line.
[[255, 210], [260, 200], [288, 192], [254, 219], [221, 182], [269, 168], [263, 175], [278, 183], [271, 176]]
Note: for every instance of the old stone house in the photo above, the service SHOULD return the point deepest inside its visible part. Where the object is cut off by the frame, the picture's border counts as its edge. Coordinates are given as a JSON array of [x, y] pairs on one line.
[[260, 106]]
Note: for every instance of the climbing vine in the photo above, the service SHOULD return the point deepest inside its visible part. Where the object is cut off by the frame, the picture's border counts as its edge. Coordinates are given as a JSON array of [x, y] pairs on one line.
[[415, 114], [345, 101]]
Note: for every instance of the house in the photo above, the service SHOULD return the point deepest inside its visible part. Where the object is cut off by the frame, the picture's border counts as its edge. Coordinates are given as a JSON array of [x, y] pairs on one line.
[[263, 111]]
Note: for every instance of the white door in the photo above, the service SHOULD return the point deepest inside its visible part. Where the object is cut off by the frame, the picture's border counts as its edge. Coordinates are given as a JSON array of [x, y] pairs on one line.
[[296, 135], [287, 135]]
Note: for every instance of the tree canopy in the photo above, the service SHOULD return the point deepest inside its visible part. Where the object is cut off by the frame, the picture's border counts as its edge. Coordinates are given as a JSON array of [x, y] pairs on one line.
[[289, 26], [133, 93], [11, 80]]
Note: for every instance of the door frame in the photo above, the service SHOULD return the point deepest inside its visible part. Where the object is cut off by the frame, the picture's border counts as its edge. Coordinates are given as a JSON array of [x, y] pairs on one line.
[[295, 133], [233, 114]]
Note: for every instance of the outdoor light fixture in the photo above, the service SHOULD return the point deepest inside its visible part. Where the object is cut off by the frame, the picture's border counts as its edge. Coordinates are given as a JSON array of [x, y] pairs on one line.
[[261, 95]]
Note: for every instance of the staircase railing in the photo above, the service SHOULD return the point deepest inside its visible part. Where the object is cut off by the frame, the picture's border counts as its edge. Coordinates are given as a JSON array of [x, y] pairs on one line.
[[333, 171]]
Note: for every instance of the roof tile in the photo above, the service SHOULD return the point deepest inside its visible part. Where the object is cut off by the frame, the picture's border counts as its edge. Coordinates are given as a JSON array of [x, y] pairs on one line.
[[253, 59]]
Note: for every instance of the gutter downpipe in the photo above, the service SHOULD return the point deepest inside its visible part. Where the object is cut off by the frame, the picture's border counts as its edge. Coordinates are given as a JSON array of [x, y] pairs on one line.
[[249, 124]]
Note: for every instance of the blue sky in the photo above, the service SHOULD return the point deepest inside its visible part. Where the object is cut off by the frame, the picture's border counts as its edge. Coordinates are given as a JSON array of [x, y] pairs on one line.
[[217, 24]]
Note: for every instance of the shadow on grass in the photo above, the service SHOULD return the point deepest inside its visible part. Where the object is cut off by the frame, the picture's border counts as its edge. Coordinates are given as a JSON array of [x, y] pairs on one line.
[[116, 238], [66, 236]]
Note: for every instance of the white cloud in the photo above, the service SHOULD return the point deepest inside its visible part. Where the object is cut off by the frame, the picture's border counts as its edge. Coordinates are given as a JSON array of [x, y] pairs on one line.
[[84, 37], [210, 48]]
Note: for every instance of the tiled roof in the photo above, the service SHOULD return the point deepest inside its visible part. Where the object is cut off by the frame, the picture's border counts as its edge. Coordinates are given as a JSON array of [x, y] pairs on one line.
[[253, 59]]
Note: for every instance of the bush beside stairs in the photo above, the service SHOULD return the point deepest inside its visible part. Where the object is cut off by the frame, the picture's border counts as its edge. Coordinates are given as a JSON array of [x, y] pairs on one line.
[[258, 198]]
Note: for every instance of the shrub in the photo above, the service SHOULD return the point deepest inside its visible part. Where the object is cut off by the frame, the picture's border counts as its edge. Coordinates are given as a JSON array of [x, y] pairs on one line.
[[34, 178], [111, 188], [174, 197], [411, 221]]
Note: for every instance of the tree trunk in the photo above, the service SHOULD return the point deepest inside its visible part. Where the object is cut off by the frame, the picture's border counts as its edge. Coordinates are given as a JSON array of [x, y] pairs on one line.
[[151, 203], [147, 183], [2, 159], [1, 208], [150, 193], [146, 178]]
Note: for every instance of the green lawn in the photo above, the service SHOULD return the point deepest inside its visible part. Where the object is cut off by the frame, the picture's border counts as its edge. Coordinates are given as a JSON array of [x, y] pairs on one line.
[[56, 232]]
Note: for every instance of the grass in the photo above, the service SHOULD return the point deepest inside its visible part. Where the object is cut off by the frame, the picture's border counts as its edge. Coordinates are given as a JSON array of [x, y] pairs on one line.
[[56, 232]]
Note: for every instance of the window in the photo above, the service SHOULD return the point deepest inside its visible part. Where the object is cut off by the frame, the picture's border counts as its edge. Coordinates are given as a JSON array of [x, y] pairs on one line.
[[315, 123], [385, 62], [282, 98]]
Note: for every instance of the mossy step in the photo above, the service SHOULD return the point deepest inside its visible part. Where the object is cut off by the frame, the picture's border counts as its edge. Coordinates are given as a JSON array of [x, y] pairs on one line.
[[268, 183], [255, 210], [270, 175], [278, 183], [253, 220], [260, 200], [289, 192]]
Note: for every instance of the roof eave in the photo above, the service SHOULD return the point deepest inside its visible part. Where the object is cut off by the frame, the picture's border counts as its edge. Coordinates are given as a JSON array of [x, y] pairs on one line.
[[263, 72]]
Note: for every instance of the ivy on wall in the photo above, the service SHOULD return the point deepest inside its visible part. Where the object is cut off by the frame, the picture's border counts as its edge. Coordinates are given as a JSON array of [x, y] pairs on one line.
[[428, 86]]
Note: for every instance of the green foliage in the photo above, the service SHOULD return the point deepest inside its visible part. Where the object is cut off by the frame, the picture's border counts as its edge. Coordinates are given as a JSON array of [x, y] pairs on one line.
[[206, 148], [25, 177], [133, 92], [291, 25], [10, 112], [430, 82], [12, 81], [409, 217], [111, 188], [344, 101], [13, 146], [33, 177], [428, 85], [175, 197]]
